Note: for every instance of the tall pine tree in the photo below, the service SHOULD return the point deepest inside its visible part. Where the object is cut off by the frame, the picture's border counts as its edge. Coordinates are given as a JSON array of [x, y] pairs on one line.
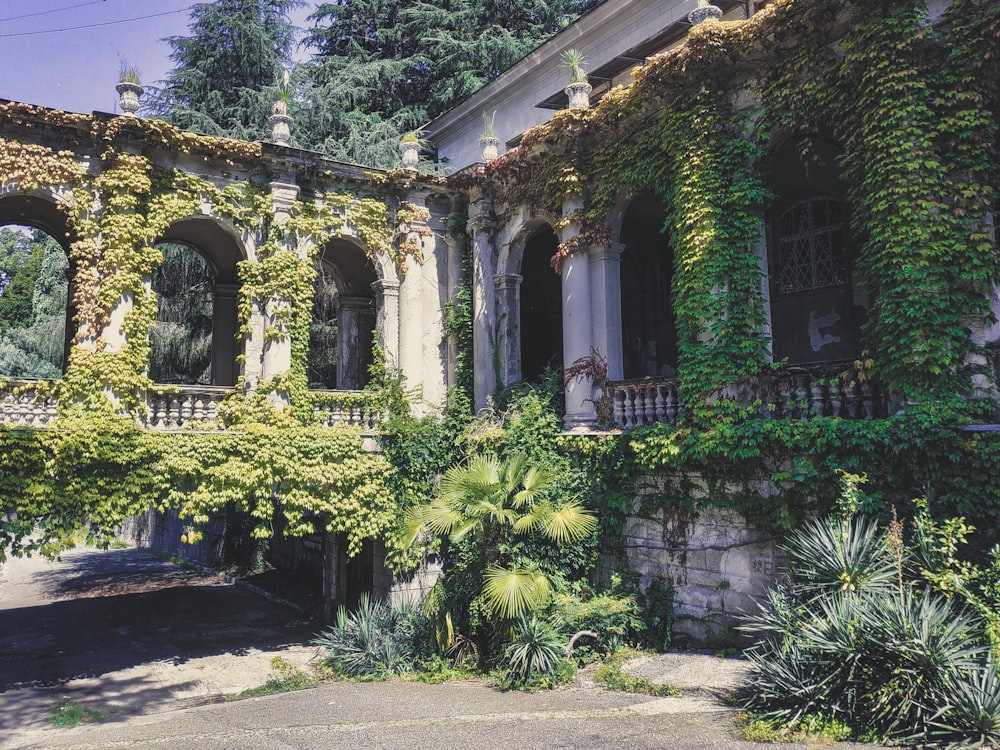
[[384, 67], [227, 68]]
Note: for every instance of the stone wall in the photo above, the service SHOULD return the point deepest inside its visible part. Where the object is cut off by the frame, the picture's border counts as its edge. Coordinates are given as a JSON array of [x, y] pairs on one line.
[[162, 532], [718, 564]]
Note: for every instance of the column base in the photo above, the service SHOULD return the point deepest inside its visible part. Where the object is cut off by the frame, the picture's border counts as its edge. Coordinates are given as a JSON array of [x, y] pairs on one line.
[[580, 423]]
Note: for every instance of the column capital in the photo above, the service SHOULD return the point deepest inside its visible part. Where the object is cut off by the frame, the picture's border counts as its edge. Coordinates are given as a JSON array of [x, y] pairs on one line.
[[610, 251], [387, 287], [504, 281], [283, 196]]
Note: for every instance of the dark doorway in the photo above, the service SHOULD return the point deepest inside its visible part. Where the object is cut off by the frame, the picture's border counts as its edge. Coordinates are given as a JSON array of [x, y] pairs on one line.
[[649, 331], [541, 306]]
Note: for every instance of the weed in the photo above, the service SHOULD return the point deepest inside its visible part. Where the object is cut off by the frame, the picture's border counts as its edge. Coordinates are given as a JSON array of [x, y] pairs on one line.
[[612, 676], [288, 678], [71, 714]]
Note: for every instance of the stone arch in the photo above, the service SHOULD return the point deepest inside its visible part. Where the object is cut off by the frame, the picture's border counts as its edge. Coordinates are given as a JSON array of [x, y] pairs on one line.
[[816, 308], [344, 264], [649, 331], [530, 296], [219, 244], [40, 210]]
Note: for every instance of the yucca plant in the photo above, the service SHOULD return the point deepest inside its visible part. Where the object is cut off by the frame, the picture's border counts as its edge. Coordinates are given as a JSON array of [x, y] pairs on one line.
[[376, 639], [848, 639], [535, 651]]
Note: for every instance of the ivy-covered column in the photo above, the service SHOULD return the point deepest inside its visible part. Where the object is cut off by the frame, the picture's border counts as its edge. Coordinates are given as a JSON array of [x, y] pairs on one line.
[[387, 318], [480, 228], [508, 297], [276, 360], [577, 325], [606, 300]]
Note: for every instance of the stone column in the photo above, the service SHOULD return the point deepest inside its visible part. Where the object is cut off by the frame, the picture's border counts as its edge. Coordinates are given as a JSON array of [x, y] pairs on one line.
[[577, 327], [387, 318], [355, 322], [455, 245], [224, 326], [411, 326], [480, 228], [606, 298], [508, 313]]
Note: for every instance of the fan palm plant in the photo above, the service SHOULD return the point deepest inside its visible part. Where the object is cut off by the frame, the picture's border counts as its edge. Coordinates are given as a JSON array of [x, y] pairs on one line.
[[490, 501]]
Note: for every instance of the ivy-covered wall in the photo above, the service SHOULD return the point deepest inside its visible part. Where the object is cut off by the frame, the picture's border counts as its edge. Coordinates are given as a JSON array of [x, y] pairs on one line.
[[118, 185], [911, 102]]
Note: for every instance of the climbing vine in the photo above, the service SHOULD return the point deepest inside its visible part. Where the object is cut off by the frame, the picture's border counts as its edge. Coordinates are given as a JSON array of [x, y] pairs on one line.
[[96, 466]]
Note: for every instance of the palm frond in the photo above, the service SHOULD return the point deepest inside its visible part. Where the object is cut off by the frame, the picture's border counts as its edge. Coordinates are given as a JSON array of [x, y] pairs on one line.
[[511, 592]]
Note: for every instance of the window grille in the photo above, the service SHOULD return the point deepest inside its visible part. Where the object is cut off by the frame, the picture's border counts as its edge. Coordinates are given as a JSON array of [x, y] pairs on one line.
[[811, 253]]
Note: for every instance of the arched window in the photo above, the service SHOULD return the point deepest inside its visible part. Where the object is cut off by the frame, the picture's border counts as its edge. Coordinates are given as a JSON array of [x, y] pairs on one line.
[[34, 293], [181, 337], [649, 332], [343, 322], [814, 312]]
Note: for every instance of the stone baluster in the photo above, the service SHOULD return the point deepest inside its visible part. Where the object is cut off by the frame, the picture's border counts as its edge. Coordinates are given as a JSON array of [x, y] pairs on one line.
[[671, 409], [660, 402], [853, 401], [618, 406], [836, 397], [649, 404], [801, 393], [868, 399], [817, 399], [629, 407]]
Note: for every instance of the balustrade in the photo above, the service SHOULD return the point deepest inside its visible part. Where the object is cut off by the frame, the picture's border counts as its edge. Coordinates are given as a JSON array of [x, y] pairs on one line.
[[172, 408], [175, 409], [787, 393], [351, 408], [22, 405]]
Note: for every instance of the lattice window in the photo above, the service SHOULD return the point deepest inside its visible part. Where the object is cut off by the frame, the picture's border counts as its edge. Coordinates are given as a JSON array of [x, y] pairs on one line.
[[811, 252]]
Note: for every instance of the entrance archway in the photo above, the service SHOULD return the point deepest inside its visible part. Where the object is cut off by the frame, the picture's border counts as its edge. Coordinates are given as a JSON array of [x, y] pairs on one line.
[[541, 306]]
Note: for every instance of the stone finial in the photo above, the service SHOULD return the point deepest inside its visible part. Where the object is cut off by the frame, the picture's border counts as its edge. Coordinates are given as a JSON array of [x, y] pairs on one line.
[[409, 151], [704, 12], [128, 97], [280, 121], [490, 145], [578, 94]]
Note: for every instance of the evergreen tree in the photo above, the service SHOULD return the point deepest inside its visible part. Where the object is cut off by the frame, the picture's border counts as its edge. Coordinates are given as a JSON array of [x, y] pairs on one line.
[[385, 67], [225, 68]]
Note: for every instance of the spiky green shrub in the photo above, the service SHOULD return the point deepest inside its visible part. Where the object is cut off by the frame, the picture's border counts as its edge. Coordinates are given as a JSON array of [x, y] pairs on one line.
[[848, 638], [376, 640], [535, 655]]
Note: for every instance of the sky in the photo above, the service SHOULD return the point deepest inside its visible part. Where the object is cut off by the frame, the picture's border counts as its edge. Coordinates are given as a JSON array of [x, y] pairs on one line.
[[66, 54]]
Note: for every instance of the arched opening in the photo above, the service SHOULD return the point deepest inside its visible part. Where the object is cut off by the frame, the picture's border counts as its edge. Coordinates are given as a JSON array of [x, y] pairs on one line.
[[343, 323], [815, 313], [194, 336], [649, 330], [541, 306], [181, 336], [35, 293]]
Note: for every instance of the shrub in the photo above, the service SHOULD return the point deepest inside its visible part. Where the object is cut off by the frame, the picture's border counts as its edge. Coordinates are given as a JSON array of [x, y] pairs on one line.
[[536, 650], [848, 640], [376, 640]]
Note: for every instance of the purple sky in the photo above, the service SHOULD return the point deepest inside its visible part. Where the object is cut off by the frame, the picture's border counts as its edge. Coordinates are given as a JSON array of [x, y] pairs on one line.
[[77, 69]]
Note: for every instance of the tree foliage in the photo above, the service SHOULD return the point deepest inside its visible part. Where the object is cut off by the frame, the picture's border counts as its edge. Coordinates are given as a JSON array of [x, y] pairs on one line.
[[226, 69]]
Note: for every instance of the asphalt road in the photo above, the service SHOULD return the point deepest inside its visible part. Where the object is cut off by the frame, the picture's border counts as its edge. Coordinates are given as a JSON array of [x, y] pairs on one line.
[[154, 647]]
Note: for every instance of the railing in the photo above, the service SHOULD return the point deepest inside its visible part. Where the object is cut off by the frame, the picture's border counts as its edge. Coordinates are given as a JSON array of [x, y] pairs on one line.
[[23, 403], [788, 393], [177, 407], [353, 408]]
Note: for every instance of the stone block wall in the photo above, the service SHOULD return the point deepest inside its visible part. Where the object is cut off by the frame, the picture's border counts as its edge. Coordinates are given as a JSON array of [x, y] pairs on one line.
[[718, 564]]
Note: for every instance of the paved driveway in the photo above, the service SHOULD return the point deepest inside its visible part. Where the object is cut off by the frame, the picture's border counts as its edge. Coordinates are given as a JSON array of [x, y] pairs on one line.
[[153, 646]]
